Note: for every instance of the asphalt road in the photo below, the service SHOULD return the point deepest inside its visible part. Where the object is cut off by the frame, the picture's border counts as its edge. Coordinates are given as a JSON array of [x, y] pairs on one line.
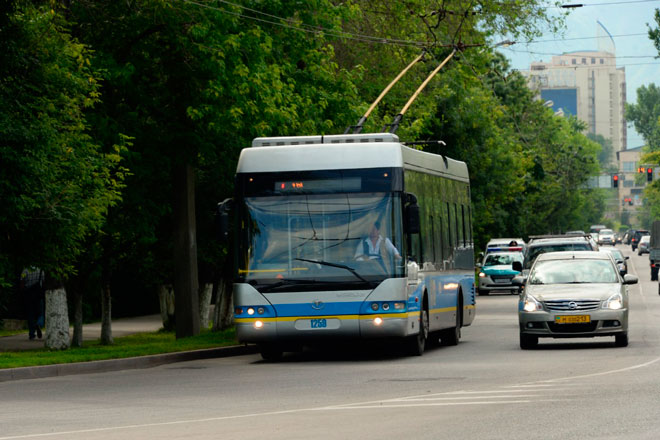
[[486, 388]]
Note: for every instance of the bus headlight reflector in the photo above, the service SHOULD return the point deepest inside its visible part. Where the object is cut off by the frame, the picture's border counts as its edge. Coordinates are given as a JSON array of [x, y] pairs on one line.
[[399, 306], [386, 306], [374, 306], [238, 311], [258, 324], [378, 320], [250, 311], [261, 310]]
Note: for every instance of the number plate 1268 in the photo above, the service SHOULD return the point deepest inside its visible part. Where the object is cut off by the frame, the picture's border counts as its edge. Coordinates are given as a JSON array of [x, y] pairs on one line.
[[319, 323]]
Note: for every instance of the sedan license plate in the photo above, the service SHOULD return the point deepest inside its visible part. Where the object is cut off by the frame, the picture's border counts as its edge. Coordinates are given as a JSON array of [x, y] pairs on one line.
[[319, 323], [573, 319]]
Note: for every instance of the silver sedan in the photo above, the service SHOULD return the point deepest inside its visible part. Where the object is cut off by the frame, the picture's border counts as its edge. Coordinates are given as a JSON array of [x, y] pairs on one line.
[[573, 295]]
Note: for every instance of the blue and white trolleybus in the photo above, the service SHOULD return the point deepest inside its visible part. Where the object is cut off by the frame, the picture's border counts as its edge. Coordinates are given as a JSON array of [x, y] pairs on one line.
[[351, 236]]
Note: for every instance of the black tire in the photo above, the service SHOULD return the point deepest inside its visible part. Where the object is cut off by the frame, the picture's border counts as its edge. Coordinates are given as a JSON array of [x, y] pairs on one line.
[[528, 342], [621, 340], [415, 345], [270, 352], [451, 336]]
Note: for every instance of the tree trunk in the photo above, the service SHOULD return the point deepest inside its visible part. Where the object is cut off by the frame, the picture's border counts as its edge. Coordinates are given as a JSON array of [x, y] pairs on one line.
[[185, 253], [106, 315], [224, 306], [57, 320], [77, 339], [166, 300], [205, 293], [106, 294]]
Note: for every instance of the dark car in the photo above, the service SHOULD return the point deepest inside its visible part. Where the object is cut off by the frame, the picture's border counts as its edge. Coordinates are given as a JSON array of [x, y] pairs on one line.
[[620, 260], [542, 244], [639, 233], [628, 236]]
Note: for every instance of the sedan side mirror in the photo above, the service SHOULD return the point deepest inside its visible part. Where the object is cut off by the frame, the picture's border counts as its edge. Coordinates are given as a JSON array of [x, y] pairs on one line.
[[517, 266], [519, 281], [630, 279]]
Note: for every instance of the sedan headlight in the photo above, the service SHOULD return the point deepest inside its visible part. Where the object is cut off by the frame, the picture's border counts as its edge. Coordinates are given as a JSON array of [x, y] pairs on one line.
[[614, 302], [530, 304], [482, 274]]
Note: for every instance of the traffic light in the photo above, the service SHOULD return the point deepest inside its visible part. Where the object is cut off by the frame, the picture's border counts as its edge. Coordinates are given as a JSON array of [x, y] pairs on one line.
[[615, 181], [649, 174]]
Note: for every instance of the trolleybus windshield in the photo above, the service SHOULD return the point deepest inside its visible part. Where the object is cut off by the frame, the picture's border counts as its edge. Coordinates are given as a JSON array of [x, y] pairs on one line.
[[294, 240]]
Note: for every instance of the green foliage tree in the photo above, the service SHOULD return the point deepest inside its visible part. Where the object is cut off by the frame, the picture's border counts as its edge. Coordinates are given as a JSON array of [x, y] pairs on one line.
[[56, 184], [645, 115], [193, 82]]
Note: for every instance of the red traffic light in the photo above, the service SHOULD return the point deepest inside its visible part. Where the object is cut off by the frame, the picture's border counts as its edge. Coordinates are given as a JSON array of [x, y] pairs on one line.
[[649, 174]]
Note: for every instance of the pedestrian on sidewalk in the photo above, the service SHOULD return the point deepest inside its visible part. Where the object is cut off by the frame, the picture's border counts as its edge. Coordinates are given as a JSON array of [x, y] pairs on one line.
[[32, 290]]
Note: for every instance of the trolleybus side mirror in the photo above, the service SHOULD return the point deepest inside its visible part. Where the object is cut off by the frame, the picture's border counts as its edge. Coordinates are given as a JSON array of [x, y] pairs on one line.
[[412, 214], [222, 220]]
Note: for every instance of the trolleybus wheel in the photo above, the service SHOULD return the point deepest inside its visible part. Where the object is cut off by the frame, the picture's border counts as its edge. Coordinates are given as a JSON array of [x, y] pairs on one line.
[[416, 344], [270, 352], [452, 335]]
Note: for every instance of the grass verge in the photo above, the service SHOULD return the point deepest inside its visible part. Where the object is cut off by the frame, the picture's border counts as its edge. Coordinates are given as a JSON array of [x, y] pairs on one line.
[[141, 344]]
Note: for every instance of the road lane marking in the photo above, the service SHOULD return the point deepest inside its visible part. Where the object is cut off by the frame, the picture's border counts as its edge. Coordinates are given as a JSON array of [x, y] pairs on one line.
[[602, 373]]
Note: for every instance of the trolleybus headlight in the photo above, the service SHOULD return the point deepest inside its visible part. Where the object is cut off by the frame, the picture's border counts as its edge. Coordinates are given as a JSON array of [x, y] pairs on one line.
[[378, 320], [238, 311], [374, 306], [250, 311], [386, 306], [399, 306], [261, 310], [258, 324]]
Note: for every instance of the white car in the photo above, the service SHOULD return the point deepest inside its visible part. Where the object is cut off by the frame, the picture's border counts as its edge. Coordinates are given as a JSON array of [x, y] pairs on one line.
[[573, 295], [606, 236]]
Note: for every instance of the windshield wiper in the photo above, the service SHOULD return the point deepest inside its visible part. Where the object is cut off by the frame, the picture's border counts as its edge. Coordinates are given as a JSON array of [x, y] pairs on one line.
[[341, 266], [283, 282]]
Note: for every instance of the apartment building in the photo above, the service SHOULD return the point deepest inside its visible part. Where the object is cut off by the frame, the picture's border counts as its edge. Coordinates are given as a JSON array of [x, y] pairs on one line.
[[586, 84]]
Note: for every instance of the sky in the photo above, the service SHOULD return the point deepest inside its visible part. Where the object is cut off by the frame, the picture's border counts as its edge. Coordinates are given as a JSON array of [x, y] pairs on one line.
[[627, 22]]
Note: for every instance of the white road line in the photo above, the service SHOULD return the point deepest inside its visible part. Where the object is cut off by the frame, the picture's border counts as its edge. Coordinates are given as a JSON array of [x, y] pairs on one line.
[[602, 373], [398, 406]]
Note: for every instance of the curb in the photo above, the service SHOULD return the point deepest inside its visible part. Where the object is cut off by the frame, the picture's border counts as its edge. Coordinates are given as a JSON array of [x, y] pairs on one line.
[[132, 363]]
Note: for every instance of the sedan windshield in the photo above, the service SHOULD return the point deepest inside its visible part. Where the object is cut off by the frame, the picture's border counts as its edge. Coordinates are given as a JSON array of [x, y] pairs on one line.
[[573, 271], [503, 259], [321, 238]]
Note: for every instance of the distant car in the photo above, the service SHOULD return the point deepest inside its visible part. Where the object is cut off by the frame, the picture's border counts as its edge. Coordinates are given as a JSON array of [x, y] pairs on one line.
[[505, 245], [576, 232], [628, 236], [619, 259], [606, 236], [573, 295], [543, 244], [639, 233], [496, 272], [643, 245]]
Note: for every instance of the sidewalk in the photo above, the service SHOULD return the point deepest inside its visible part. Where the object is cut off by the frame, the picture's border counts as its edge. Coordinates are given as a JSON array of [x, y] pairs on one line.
[[91, 332], [120, 327]]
